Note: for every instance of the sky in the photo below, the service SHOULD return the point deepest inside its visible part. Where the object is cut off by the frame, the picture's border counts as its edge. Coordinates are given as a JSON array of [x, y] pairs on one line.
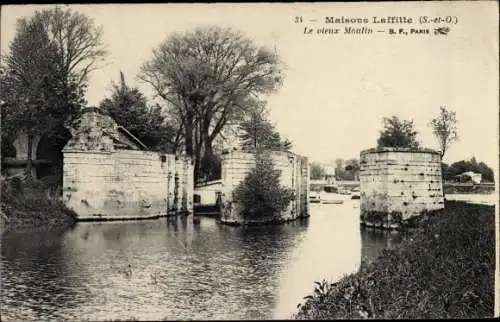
[[337, 87]]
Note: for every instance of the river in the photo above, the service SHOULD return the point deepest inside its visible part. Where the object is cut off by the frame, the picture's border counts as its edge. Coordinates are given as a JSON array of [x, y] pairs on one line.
[[173, 269]]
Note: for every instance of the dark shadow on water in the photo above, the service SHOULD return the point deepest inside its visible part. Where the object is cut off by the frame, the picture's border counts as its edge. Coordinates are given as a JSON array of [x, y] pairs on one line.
[[262, 250], [373, 241]]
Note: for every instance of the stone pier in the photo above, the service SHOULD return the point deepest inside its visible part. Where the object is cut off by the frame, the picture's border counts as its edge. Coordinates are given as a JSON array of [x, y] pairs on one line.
[[294, 169], [399, 184], [110, 175]]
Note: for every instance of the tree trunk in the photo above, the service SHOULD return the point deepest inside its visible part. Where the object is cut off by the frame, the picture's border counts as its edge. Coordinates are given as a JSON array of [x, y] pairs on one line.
[[29, 164], [255, 133], [197, 160], [206, 140], [188, 127], [207, 156]]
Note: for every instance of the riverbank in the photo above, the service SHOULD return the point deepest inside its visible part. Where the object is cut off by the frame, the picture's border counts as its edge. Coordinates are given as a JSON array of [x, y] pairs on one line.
[[32, 204], [468, 188], [444, 270]]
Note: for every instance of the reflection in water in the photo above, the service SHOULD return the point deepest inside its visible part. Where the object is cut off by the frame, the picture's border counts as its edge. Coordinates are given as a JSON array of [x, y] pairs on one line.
[[330, 249], [36, 264], [176, 269], [374, 240]]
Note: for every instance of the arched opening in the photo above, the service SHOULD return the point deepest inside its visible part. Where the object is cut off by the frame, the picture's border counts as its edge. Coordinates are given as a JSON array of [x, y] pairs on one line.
[[49, 155], [8, 152]]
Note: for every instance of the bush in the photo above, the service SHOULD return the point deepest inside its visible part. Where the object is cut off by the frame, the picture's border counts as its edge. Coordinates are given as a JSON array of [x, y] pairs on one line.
[[260, 194], [32, 203]]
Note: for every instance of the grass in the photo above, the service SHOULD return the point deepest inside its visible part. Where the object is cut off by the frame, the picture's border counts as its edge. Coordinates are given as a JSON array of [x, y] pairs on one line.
[[446, 270], [34, 203]]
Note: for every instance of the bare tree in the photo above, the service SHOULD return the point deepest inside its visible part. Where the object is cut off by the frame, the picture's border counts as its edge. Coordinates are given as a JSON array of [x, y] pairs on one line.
[[444, 127], [208, 75], [77, 39]]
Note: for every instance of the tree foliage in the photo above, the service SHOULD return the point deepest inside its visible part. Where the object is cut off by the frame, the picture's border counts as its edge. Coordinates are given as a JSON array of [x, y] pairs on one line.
[[210, 76], [339, 168], [129, 108], [211, 167], [26, 77], [351, 169], [257, 132], [444, 128], [44, 75], [261, 194], [347, 169], [398, 134], [318, 172], [457, 168]]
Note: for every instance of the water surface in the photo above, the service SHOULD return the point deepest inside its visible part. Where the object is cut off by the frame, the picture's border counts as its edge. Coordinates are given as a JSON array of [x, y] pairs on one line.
[[176, 269]]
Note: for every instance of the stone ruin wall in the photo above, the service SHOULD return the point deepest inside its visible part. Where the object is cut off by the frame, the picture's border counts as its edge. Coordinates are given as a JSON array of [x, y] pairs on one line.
[[106, 178], [398, 184], [294, 174]]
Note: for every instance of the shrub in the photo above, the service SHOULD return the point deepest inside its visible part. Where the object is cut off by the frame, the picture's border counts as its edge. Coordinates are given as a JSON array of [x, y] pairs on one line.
[[260, 194], [31, 202]]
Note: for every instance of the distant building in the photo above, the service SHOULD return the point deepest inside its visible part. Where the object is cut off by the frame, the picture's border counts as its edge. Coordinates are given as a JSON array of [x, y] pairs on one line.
[[469, 176], [207, 194]]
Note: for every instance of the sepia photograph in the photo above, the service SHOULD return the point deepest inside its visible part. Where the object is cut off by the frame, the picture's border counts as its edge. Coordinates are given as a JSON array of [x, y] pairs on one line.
[[249, 161]]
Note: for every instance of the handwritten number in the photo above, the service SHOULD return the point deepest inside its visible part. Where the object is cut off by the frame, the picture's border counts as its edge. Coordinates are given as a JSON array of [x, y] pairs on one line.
[[298, 19]]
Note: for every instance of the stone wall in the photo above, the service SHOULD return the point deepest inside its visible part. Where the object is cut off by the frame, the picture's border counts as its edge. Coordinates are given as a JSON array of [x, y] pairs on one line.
[[398, 184], [108, 176], [294, 175]]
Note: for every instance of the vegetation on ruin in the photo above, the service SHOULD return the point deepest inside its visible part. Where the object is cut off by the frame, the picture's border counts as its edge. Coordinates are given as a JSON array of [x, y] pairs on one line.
[[445, 269], [398, 133], [257, 132], [261, 195]]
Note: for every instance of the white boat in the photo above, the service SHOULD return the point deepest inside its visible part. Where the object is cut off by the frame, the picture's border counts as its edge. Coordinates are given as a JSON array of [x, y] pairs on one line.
[[330, 195], [314, 196], [355, 193]]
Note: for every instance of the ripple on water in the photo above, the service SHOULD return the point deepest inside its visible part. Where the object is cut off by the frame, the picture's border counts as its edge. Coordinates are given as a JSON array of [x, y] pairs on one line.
[[176, 271]]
